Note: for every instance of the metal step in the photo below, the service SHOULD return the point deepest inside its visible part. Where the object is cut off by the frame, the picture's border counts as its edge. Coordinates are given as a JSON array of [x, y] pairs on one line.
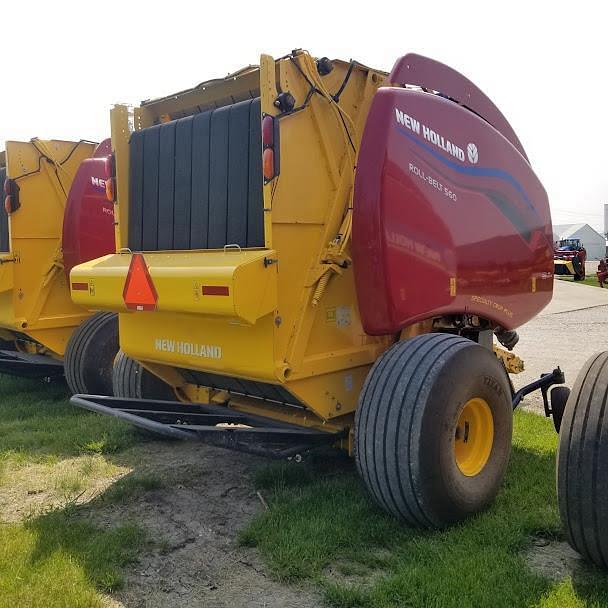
[[214, 424]]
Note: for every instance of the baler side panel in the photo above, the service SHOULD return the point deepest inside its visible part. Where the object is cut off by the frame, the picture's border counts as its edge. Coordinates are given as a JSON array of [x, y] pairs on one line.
[[449, 218], [39, 304]]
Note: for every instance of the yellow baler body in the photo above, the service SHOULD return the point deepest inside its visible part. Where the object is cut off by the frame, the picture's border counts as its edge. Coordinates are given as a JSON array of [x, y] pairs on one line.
[[35, 303], [564, 267], [291, 317]]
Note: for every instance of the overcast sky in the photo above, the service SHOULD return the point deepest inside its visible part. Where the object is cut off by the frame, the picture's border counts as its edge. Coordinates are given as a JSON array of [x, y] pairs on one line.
[[66, 63]]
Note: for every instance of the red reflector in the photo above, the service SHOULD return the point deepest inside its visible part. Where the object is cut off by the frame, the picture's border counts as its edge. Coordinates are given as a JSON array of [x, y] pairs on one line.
[[216, 290], [11, 189], [268, 163], [80, 286], [139, 292], [267, 131]]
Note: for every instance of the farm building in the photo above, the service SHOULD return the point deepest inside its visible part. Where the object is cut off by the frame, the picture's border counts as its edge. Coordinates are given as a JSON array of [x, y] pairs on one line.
[[592, 240]]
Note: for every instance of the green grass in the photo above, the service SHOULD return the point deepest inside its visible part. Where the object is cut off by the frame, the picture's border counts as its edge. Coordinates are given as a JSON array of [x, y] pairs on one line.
[[588, 280], [56, 557], [38, 424], [59, 560], [323, 528]]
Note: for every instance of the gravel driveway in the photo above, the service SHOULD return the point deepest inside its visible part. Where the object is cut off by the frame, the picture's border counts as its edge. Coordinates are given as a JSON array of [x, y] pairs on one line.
[[566, 333]]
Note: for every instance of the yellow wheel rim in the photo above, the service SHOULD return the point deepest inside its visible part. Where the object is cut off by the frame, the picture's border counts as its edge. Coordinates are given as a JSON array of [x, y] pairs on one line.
[[473, 437]]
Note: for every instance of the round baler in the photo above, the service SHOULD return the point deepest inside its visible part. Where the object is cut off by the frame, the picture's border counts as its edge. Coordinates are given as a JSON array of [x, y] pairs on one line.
[[56, 215], [314, 252]]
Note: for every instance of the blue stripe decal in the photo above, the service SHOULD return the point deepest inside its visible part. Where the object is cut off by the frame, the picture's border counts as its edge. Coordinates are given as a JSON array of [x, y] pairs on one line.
[[475, 171]]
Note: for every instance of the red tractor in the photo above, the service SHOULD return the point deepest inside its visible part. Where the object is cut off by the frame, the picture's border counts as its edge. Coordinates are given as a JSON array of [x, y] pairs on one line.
[[569, 258]]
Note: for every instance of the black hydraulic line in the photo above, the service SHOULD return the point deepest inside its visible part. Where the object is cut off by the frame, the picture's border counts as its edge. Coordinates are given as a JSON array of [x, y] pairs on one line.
[[352, 145], [336, 97], [48, 160], [304, 104], [310, 83], [311, 91], [42, 155], [37, 170], [333, 98], [75, 147]]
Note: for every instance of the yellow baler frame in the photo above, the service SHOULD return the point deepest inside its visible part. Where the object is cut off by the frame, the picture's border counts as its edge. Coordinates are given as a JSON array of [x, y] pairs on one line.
[[35, 305], [308, 337], [566, 264]]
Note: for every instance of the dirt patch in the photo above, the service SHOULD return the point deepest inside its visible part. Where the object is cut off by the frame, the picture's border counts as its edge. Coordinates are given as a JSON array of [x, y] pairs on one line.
[[206, 497], [352, 575], [552, 559], [37, 487]]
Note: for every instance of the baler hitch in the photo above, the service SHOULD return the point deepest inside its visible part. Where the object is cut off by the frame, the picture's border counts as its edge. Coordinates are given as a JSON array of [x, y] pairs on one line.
[[544, 383]]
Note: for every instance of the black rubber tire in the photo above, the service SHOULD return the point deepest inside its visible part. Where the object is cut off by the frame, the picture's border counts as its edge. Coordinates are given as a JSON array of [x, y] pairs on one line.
[[405, 428], [579, 269], [132, 381], [558, 397], [582, 462], [89, 355]]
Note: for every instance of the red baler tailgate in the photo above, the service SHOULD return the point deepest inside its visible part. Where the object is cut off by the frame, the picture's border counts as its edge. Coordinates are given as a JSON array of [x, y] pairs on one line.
[[448, 218]]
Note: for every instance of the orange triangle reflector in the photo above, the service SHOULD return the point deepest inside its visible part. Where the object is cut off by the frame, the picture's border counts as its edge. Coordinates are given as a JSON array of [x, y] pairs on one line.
[[139, 292]]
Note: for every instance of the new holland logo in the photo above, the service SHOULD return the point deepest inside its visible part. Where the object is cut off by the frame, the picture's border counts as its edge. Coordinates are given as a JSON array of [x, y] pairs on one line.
[[98, 183], [436, 138], [472, 153], [207, 351]]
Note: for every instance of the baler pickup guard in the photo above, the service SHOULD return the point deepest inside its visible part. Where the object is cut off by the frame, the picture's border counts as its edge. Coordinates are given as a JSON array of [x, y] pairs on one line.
[[215, 424], [225, 427]]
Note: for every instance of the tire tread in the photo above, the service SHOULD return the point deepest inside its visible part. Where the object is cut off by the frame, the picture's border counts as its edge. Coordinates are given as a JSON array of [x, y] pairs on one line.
[[387, 402], [582, 462], [79, 342]]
